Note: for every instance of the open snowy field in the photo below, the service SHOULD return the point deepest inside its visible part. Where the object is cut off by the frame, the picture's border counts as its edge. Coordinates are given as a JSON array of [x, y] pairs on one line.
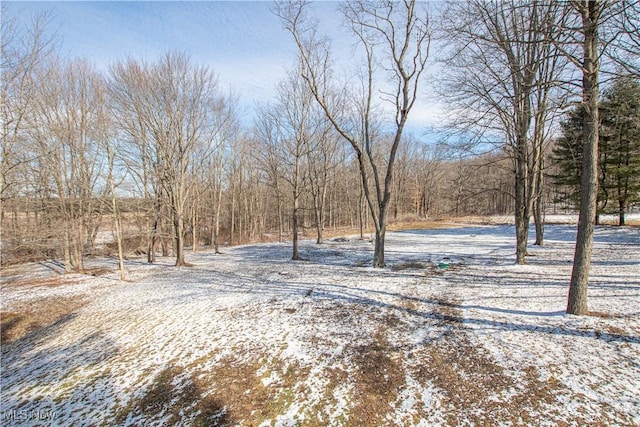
[[451, 333]]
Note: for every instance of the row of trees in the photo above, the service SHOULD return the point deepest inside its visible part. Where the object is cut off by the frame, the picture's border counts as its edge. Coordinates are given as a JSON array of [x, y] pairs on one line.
[[157, 147]]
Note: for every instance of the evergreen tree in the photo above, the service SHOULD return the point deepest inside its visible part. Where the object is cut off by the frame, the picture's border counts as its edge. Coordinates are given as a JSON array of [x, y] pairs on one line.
[[620, 144], [567, 156], [618, 150]]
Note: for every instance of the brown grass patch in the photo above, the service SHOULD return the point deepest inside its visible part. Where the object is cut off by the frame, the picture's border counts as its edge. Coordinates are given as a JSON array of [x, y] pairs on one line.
[[472, 382], [231, 392], [98, 271], [378, 380], [36, 315], [46, 282], [603, 315], [410, 265], [478, 391], [174, 396], [420, 224]]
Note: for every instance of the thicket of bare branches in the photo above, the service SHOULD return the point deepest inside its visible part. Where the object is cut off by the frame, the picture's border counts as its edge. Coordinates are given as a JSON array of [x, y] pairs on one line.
[[151, 157]]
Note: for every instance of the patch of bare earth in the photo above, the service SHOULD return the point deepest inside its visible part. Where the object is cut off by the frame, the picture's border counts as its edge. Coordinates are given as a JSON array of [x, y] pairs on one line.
[[174, 396], [478, 391], [35, 315], [378, 379], [232, 392], [248, 389]]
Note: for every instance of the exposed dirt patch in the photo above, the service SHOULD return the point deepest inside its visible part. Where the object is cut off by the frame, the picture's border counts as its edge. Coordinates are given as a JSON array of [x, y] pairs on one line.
[[474, 389], [248, 391], [478, 391], [604, 315], [378, 379], [46, 282], [36, 315], [411, 265], [174, 397], [98, 271]]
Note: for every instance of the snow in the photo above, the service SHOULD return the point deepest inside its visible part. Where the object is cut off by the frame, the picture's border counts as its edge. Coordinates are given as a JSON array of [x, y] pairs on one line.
[[252, 304]]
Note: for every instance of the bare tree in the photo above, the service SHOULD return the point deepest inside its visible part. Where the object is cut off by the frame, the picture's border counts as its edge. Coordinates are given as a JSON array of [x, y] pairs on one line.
[[24, 51], [169, 107], [69, 130], [394, 37], [590, 14], [320, 161], [502, 69], [623, 42], [290, 129], [115, 208]]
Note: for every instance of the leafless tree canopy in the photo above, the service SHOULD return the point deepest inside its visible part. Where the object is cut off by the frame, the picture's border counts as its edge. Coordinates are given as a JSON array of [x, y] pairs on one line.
[[152, 156]]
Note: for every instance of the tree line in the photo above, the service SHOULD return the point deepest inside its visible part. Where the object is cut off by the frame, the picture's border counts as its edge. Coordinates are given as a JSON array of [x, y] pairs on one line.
[[155, 149]]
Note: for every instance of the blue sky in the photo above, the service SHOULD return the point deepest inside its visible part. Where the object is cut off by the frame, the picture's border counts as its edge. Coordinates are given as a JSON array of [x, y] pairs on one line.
[[242, 41]]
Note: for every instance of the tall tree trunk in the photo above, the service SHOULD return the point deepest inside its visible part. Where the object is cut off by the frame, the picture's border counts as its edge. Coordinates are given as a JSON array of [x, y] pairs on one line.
[[521, 211], [319, 225], [621, 205], [216, 235], [194, 230], [178, 229], [294, 222], [538, 213], [378, 250], [294, 217], [577, 301], [279, 207], [67, 249], [361, 208], [538, 209]]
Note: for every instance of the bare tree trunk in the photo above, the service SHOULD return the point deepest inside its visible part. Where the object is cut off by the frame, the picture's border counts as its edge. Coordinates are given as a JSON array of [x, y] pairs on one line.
[[67, 250], [280, 220], [194, 227], [178, 229], [294, 213], [118, 229], [538, 210], [153, 237], [217, 225], [294, 223], [577, 301], [361, 208], [521, 214], [538, 214]]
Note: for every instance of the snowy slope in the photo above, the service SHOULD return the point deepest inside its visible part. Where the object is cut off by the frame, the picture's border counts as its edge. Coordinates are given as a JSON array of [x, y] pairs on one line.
[[452, 333]]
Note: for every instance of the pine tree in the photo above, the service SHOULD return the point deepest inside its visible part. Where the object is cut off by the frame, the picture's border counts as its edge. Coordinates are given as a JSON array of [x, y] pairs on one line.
[[620, 144], [567, 156], [618, 150]]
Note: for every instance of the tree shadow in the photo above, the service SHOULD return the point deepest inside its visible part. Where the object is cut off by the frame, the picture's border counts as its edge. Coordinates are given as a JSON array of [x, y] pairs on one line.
[[283, 287]]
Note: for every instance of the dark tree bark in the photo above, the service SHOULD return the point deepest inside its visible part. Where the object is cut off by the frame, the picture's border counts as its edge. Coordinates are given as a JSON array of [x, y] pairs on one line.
[[577, 301]]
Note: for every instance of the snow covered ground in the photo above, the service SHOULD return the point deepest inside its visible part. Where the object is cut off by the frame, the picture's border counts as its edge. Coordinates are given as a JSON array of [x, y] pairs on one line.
[[451, 333]]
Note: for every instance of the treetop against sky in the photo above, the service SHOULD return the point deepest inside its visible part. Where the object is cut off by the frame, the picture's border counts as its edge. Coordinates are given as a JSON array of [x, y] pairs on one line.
[[243, 42]]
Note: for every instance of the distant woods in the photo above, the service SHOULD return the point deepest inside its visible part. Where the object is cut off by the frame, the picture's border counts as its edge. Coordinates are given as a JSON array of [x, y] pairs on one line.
[[153, 153]]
